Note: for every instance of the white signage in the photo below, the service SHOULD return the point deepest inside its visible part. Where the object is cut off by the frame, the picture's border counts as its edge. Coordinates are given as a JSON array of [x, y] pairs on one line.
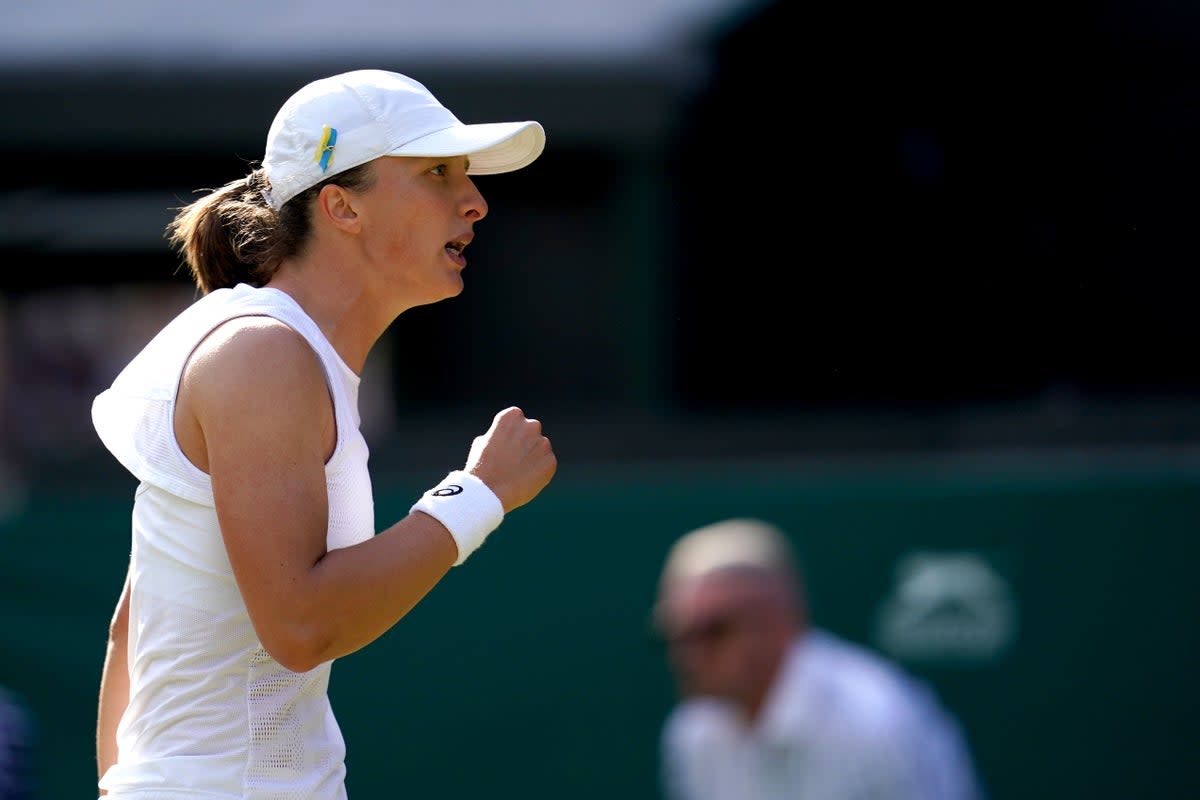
[[947, 606]]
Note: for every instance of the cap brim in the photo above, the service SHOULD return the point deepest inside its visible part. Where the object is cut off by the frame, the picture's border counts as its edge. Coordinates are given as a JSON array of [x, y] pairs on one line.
[[493, 147]]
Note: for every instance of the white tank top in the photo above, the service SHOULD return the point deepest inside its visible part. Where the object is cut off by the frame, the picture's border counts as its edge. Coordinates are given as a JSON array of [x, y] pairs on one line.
[[210, 712]]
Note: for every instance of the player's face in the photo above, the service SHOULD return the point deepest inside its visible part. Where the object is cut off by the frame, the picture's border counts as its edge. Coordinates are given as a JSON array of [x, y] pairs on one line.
[[418, 217]]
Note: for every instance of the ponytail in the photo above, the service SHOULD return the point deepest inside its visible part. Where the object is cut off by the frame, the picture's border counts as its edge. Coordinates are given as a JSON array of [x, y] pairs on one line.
[[229, 236]]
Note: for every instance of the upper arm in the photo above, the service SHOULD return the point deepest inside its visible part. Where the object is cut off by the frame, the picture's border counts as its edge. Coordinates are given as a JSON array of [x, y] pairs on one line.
[[256, 392]]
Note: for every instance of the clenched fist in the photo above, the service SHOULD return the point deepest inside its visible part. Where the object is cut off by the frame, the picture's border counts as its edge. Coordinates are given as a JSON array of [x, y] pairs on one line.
[[513, 457]]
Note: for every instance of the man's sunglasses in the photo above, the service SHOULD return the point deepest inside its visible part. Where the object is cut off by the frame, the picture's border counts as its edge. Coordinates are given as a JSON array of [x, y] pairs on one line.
[[713, 630]]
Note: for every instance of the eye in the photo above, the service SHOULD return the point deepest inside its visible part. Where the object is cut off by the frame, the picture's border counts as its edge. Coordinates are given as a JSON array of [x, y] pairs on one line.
[[441, 170]]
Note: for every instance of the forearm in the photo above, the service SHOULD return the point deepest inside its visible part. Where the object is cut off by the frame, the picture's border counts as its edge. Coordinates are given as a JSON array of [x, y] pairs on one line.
[[355, 594], [310, 605], [377, 583]]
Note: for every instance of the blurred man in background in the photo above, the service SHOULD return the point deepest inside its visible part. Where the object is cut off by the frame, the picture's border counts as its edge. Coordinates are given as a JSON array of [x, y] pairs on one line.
[[771, 707]]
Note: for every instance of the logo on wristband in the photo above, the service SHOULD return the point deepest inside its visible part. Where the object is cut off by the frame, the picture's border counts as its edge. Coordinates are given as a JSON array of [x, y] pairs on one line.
[[449, 490]]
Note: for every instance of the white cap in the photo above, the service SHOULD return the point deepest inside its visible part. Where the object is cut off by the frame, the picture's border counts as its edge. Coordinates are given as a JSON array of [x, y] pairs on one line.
[[339, 122]]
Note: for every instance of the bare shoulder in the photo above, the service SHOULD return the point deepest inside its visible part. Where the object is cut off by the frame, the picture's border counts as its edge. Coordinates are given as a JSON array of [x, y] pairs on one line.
[[251, 368], [255, 352]]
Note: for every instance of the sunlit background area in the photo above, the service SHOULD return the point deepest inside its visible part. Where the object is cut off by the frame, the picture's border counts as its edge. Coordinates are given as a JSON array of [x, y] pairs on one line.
[[917, 282]]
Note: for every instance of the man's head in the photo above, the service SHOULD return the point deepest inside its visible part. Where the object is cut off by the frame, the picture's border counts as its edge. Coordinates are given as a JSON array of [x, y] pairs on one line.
[[730, 603]]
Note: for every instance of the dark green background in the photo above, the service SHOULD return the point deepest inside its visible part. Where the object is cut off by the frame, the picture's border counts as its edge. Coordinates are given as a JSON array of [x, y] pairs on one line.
[[530, 672]]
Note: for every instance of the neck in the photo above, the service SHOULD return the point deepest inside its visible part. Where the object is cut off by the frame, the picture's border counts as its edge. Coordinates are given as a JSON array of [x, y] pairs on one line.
[[338, 306], [754, 702]]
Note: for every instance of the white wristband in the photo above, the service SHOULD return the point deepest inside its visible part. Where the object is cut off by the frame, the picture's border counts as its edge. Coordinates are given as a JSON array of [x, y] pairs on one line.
[[467, 507]]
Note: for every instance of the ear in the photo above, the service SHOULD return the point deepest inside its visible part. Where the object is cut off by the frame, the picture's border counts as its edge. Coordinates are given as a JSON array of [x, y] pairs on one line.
[[337, 206]]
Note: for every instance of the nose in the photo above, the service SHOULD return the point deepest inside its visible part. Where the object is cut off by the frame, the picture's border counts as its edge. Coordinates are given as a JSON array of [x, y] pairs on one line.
[[474, 206]]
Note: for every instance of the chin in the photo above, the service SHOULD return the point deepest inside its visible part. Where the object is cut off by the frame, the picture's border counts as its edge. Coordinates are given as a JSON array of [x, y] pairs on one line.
[[449, 291]]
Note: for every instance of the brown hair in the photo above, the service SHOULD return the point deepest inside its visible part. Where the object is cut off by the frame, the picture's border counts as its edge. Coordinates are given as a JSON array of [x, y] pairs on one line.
[[232, 235]]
